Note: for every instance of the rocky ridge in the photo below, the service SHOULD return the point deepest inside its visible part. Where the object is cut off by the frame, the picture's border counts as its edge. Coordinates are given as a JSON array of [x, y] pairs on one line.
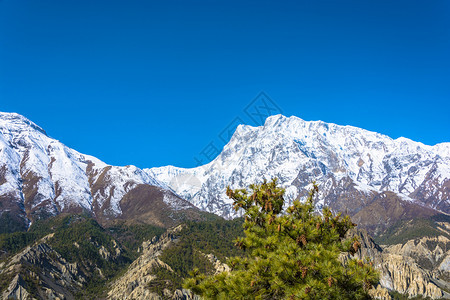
[[134, 284], [40, 265], [402, 267]]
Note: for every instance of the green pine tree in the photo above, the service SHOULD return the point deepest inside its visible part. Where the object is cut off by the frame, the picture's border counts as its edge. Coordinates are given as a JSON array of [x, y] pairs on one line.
[[291, 255]]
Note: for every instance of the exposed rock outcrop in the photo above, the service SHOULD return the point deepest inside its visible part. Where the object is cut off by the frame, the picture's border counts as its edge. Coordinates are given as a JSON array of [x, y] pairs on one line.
[[218, 266], [134, 284], [40, 265], [16, 289], [432, 253], [380, 293], [400, 271]]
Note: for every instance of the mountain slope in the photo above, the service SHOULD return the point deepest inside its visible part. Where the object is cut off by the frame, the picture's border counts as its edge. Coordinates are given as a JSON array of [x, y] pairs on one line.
[[352, 166], [69, 256], [41, 177]]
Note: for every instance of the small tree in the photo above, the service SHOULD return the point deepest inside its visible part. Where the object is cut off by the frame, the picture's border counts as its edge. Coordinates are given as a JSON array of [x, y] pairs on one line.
[[292, 255]]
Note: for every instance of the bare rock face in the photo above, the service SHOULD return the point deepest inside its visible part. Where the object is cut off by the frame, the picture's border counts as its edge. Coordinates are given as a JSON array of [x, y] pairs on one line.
[[433, 253], [402, 274], [380, 293], [218, 266], [39, 271], [134, 283], [16, 289], [40, 264], [184, 295], [399, 266]]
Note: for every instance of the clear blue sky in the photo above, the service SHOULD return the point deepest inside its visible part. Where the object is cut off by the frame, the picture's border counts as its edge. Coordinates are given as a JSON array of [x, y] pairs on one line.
[[152, 83]]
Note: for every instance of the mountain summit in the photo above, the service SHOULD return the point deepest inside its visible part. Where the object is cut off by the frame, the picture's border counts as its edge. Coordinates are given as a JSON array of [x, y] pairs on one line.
[[41, 177], [371, 176]]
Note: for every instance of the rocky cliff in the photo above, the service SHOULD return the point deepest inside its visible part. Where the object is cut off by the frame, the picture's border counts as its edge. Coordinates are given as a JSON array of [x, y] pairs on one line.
[[72, 262], [413, 268], [41, 266], [135, 283]]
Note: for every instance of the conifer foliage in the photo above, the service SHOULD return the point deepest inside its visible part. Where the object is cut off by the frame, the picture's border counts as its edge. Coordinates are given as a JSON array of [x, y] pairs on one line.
[[290, 255]]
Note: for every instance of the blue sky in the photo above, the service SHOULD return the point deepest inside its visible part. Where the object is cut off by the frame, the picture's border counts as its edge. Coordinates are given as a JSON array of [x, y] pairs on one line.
[[153, 83]]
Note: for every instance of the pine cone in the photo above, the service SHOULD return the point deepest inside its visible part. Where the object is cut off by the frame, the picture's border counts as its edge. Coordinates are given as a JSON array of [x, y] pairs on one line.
[[252, 283], [318, 226], [304, 272], [279, 227], [307, 290], [330, 281], [368, 285], [303, 239], [356, 246], [239, 244]]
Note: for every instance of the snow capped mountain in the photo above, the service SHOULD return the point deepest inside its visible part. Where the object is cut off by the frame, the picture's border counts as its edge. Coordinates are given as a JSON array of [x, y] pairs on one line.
[[375, 179], [351, 165], [39, 176]]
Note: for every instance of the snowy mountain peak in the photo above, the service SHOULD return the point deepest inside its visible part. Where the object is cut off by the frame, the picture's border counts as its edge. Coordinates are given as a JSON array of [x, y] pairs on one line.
[[339, 158], [14, 121], [275, 119], [40, 176]]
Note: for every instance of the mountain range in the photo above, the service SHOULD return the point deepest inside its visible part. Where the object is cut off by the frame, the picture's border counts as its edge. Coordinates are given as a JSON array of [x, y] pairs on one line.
[[375, 179], [86, 229], [41, 177]]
